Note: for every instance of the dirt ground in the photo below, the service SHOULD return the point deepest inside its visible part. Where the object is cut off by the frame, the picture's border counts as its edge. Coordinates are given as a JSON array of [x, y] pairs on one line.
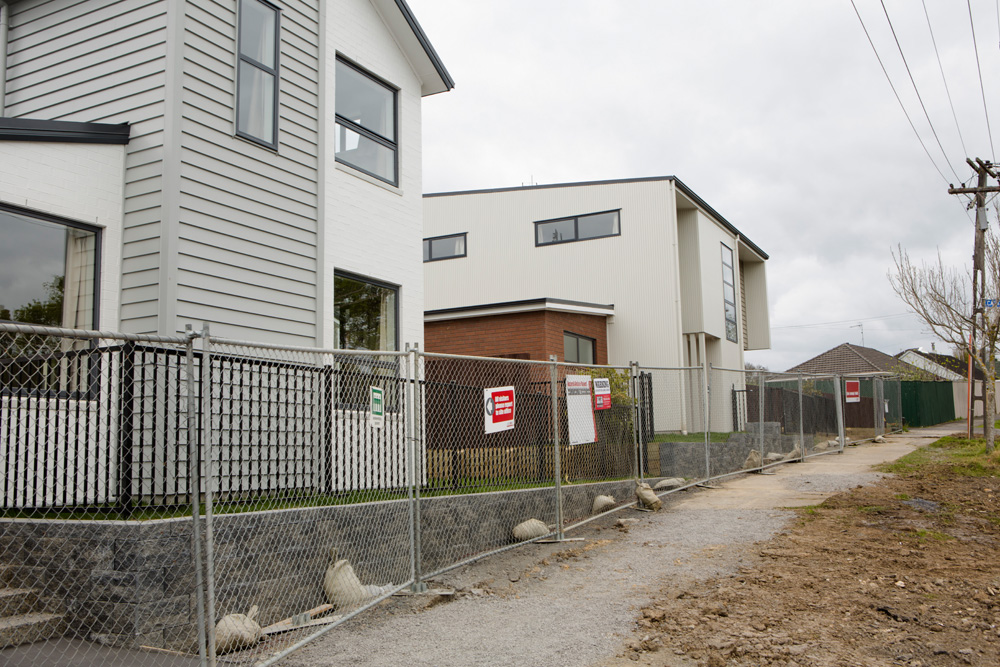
[[899, 571], [904, 572]]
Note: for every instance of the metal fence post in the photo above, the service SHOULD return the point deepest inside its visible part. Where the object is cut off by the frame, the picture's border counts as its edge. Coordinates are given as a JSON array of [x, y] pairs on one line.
[[706, 370], [634, 394], [206, 430], [416, 548], [557, 473], [760, 414], [837, 396], [802, 432], [126, 430], [193, 490]]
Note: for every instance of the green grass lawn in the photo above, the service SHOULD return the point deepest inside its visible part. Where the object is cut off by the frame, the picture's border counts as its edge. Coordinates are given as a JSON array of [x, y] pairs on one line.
[[714, 436]]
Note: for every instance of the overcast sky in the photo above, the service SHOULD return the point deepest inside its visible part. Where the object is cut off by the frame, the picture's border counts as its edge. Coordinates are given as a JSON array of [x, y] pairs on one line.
[[776, 113]]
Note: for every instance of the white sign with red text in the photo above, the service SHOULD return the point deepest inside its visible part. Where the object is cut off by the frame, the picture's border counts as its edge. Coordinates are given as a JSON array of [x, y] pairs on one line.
[[499, 404], [852, 391], [602, 393], [580, 410]]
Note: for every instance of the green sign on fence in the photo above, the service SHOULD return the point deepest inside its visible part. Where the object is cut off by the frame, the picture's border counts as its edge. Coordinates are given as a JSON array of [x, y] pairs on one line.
[[376, 408]]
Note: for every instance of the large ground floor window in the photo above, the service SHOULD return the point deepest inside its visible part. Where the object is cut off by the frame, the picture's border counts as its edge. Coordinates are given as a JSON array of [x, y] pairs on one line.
[[365, 313], [48, 270]]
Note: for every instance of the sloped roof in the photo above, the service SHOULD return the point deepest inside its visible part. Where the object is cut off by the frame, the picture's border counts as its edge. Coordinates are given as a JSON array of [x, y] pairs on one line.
[[953, 364], [847, 359]]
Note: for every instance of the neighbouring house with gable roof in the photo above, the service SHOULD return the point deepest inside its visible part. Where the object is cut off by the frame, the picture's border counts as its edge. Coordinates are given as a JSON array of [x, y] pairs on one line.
[[247, 163], [848, 359]]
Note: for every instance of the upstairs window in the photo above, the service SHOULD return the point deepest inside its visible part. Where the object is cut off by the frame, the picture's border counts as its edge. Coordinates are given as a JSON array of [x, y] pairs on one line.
[[729, 293], [578, 228], [257, 86], [444, 247], [366, 123], [577, 349]]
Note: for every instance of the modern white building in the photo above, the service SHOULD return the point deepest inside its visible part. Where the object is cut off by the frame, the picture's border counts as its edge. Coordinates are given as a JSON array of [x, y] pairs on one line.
[[252, 164], [669, 279]]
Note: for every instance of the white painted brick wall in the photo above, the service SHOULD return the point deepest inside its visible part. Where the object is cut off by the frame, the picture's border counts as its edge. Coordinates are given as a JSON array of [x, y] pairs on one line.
[[374, 229], [81, 182]]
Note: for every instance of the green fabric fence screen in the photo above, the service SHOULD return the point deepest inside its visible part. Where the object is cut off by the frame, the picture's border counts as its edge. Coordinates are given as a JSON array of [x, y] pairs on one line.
[[927, 403]]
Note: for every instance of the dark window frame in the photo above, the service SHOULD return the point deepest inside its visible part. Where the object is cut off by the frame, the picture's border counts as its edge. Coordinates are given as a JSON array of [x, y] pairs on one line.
[[368, 134], [274, 72], [576, 227], [337, 273], [430, 247], [731, 268], [42, 359], [98, 233], [578, 338]]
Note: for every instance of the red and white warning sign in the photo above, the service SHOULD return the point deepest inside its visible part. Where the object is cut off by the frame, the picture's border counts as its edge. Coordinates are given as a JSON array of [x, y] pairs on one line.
[[602, 393], [852, 391], [499, 402]]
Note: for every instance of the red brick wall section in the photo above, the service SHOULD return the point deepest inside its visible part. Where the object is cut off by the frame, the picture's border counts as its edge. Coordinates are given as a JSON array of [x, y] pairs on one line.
[[535, 334]]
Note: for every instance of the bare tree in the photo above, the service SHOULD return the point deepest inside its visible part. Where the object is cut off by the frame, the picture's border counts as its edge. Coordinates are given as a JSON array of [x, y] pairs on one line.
[[942, 297]]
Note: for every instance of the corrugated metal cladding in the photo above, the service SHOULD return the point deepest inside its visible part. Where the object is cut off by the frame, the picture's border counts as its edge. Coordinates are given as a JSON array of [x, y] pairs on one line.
[[248, 263], [102, 61]]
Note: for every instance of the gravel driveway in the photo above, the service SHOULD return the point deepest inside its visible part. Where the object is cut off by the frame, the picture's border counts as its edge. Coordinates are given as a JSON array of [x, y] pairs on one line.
[[575, 603]]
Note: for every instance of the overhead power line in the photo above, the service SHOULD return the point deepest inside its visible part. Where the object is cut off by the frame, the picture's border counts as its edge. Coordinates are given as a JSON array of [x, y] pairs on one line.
[[920, 99], [982, 89], [943, 79], [894, 92], [853, 320]]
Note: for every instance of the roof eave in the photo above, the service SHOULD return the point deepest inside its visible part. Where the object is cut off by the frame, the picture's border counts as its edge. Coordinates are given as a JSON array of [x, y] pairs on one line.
[[434, 77]]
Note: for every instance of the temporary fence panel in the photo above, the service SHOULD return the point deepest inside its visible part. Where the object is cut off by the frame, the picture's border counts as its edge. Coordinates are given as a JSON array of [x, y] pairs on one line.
[[309, 516], [733, 442], [489, 431], [302, 486], [97, 541], [672, 441]]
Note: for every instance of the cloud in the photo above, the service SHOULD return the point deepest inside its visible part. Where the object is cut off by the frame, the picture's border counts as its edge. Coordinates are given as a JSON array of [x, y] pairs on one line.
[[778, 114]]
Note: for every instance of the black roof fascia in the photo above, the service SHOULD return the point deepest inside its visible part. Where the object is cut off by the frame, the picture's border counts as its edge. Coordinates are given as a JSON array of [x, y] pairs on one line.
[[421, 36], [62, 131], [688, 192], [522, 302]]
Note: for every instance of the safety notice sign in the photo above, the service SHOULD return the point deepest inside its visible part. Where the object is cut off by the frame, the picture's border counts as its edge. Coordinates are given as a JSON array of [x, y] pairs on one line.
[[499, 403], [580, 410], [852, 391], [602, 393]]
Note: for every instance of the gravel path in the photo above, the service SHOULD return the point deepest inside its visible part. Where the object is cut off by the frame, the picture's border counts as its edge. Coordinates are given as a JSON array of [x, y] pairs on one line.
[[575, 603]]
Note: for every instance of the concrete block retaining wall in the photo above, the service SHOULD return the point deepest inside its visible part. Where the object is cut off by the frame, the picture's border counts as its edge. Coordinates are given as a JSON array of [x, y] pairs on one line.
[[131, 582]]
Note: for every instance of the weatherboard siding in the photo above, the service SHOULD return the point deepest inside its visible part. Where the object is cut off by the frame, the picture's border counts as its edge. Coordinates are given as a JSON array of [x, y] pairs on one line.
[[103, 61], [372, 228], [247, 215]]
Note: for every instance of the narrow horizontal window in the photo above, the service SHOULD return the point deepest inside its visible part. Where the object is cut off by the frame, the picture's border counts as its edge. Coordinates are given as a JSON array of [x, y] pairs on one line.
[[578, 228], [365, 136], [444, 247], [257, 78]]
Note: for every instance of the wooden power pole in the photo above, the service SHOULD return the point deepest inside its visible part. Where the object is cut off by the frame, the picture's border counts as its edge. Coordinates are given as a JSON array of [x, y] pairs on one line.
[[982, 169]]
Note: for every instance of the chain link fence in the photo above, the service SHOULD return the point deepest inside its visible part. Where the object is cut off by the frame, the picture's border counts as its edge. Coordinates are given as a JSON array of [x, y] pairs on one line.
[[194, 500]]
